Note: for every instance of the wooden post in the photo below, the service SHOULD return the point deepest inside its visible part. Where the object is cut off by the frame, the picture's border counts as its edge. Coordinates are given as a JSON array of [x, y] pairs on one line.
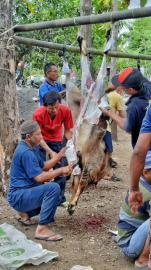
[[89, 19], [115, 27], [86, 9], [58, 46], [8, 102]]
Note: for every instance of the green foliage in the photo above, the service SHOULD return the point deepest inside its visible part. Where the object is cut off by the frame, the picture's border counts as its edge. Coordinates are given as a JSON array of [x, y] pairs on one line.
[[134, 35], [136, 40]]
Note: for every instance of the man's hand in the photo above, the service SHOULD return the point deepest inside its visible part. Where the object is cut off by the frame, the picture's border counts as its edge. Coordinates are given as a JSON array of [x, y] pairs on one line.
[[52, 154], [61, 153], [135, 200], [110, 88], [105, 111], [67, 170]]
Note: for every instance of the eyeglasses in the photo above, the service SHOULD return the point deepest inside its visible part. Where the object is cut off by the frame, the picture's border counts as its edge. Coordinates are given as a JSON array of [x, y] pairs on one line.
[[52, 71]]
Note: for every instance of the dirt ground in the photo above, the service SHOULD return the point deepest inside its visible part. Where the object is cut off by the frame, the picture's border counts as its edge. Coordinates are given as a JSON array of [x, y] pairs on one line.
[[87, 240]]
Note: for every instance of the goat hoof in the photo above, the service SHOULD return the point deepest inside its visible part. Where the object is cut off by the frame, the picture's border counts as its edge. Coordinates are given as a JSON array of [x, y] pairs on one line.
[[71, 209]]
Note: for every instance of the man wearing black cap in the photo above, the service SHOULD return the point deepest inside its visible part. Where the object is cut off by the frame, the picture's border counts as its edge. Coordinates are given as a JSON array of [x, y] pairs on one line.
[[139, 89], [27, 193]]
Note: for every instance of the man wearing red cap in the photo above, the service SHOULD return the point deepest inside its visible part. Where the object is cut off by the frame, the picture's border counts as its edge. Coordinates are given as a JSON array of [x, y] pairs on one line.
[[139, 89]]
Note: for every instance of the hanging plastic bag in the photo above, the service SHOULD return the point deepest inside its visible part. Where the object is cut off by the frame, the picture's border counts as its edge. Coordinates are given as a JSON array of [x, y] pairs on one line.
[[70, 153], [65, 68], [16, 250], [134, 4], [109, 45]]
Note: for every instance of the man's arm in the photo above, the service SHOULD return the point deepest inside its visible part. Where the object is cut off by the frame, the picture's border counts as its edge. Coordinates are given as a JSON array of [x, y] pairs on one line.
[[136, 169], [47, 176], [121, 114], [52, 162], [138, 158], [47, 149], [110, 88], [68, 133], [116, 118]]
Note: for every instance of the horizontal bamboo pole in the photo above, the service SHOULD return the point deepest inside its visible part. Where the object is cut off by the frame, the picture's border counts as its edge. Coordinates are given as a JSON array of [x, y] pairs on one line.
[[57, 46], [89, 19]]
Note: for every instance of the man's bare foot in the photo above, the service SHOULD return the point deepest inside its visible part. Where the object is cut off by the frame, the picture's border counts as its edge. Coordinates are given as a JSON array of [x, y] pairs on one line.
[[144, 256], [23, 215]]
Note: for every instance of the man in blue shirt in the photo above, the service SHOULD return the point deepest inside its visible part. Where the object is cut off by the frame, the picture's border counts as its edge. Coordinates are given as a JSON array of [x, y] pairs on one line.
[[137, 164], [133, 228], [139, 89], [29, 192], [50, 83]]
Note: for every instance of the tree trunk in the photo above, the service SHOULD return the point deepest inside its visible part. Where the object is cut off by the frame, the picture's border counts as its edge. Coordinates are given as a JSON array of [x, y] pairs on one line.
[[8, 100], [115, 27]]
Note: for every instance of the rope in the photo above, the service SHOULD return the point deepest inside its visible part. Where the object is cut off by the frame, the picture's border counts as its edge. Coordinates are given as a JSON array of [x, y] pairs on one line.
[[5, 69], [8, 30], [74, 20], [11, 47]]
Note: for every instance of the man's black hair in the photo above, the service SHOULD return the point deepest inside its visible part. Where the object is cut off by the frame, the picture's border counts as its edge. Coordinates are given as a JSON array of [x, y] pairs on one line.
[[47, 67], [51, 97]]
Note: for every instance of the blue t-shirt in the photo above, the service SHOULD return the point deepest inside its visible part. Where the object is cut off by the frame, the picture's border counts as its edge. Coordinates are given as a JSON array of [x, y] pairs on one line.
[[46, 87], [146, 124], [26, 164], [136, 108]]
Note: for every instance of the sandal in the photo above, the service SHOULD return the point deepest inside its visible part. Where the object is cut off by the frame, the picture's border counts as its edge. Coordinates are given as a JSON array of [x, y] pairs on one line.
[[138, 266], [114, 178], [27, 222], [51, 237]]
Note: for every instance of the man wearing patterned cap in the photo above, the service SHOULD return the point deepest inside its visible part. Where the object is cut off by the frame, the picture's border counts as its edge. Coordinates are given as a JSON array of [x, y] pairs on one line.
[[139, 90], [31, 190]]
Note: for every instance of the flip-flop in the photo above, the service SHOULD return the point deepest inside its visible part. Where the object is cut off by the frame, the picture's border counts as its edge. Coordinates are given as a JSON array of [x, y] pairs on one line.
[[52, 237], [25, 222], [115, 178], [138, 266]]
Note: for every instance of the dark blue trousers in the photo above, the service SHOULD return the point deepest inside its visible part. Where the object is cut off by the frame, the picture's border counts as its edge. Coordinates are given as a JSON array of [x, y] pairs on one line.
[[61, 180], [42, 199]]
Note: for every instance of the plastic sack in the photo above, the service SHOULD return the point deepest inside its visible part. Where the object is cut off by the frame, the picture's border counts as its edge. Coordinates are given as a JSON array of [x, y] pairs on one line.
[[134, 4], [79, 267], [70, 153], [16, 250]]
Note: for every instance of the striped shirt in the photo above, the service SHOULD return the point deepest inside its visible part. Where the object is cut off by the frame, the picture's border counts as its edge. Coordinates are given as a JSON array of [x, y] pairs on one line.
[[128, 222]]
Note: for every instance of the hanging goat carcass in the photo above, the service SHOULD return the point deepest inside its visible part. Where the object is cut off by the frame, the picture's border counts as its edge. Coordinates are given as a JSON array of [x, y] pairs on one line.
[[90, 150], [90, 127]]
